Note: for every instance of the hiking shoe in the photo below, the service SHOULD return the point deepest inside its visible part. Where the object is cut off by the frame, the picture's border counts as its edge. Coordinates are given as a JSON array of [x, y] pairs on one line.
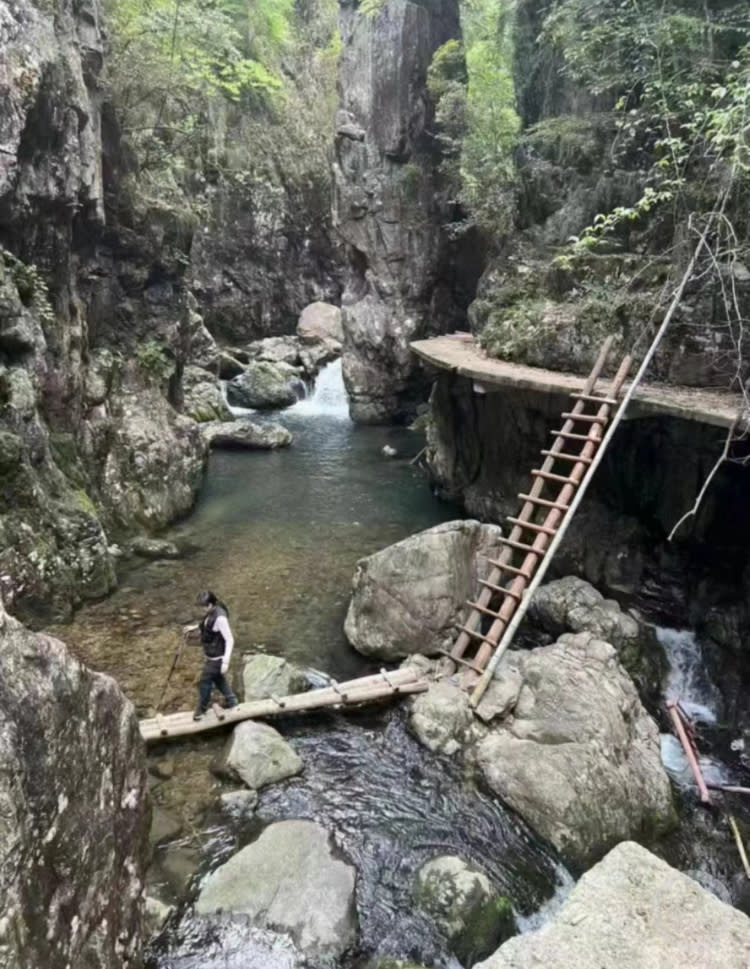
[[231, 703], [199, 714]]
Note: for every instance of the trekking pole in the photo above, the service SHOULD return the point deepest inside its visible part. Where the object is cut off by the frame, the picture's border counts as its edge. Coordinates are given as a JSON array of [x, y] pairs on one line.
[[176, 659]]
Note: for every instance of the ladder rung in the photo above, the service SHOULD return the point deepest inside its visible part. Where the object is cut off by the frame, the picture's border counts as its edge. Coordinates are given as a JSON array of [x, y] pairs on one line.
[[521, 546], [548, 476], [568, 436], [511, 569], [596, 400], [459, 659], [477, 635], [591, 418], [564, 456], [483, 609], [501, 589], [534, 528], [544, 502]]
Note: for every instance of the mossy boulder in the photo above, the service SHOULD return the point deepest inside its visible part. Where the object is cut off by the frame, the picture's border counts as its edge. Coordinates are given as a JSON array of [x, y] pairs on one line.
[[475, 918], [265, 385]]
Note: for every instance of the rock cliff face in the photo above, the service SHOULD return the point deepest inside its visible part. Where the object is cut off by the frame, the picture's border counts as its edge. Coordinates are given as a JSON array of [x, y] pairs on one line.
[[89, 445], [386, 206], [73, 842]]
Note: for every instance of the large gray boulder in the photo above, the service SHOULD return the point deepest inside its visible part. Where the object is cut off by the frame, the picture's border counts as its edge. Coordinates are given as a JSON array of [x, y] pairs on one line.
[[473, 916], [244, 435], [579, 757], [265, 385], [632, 911], [410, 597], [442, 718], [320, 323], [289, 881], [574, 605], [258, 755], [264, 676], [75, 820]]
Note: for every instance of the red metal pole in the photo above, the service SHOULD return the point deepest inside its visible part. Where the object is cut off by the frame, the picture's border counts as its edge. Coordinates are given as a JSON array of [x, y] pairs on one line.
[[674, 713]]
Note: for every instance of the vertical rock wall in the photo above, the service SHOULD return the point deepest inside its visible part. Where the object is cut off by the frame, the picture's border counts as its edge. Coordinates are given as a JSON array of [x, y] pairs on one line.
[[73, 814], [386, 205]]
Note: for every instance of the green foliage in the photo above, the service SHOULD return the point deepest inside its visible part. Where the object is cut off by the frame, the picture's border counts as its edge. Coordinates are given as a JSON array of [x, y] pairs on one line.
[[472, 86], [30, 285], [152, 361], [678, 74]]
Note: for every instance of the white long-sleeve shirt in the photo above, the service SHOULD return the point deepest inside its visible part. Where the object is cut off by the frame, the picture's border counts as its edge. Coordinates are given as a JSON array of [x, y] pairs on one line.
[[221, 625]]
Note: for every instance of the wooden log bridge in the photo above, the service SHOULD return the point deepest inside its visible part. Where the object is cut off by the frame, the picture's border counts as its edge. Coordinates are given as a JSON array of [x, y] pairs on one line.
[[352, 693]]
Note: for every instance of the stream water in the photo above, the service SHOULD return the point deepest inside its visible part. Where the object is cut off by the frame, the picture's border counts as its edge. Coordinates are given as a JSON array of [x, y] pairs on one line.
[[277, 535]]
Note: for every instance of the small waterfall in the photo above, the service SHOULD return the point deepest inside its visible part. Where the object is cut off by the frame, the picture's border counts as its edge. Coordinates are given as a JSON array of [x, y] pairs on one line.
[[329, 397], [235, 411], [689, 683], [688, 680]]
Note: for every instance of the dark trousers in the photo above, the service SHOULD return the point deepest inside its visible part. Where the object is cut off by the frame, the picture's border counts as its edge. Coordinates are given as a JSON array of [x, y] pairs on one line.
[[213, 677]]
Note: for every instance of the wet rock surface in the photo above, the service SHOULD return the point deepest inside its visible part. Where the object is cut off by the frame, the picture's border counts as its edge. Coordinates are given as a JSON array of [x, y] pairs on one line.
[[579, 757], [633, 910], [473, 916], [289, 881], [409, 597], [244, 434], [258, 755], [74, 841]]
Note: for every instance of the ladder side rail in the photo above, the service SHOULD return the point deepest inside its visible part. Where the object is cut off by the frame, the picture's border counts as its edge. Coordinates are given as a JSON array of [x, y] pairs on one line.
[[512, 625], [552, 523], [527, 510]]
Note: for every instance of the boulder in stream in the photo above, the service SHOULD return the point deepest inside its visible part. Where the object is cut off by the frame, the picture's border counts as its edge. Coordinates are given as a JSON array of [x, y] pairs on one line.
[[632, 911], [243, 434], [574, 605], [472, 915], [289, 881], [579, 756], [264, 676], [258, 755], [265, 385], [409, 597], [321, 322], [203, 400], [154, 548]]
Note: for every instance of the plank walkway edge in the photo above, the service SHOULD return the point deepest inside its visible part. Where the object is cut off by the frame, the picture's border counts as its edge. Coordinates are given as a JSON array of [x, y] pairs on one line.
[[353, 692], [461, 356]]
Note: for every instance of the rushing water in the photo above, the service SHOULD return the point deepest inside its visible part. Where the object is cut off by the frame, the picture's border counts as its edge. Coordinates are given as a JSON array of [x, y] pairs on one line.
[[391, 809]]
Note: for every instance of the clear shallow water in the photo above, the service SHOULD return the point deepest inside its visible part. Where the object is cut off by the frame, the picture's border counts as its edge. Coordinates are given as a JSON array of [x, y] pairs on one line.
[[277, 535], [391, 807]]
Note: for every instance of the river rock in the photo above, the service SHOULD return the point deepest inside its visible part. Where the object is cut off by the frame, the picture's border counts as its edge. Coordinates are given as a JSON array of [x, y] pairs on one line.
[[633, 911], [258, 755], [238, 804], [156, 913], [579, 758], [264, 676], [242, 434], [574, 605], [265, 385], [164, 826], [409, 597], [289, 881], [468, 910], [442, 718], [154, 548], [276, 349], [320, 322], [203, 400], [74, 831]]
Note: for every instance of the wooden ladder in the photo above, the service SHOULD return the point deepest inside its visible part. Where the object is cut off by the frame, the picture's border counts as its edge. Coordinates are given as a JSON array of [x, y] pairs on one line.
[[566, 465]]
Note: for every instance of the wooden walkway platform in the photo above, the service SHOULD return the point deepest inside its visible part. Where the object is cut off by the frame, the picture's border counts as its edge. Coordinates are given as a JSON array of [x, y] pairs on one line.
[[366, 689], [461, 355]]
